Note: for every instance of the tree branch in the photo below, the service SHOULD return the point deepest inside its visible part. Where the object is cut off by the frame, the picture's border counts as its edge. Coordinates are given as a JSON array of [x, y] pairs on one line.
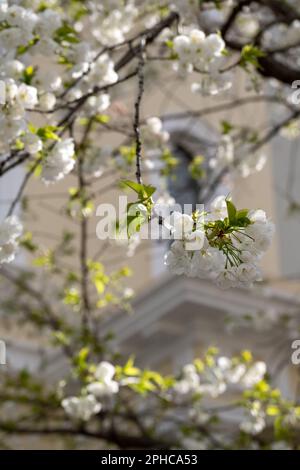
[[124, 441], [137, 104]]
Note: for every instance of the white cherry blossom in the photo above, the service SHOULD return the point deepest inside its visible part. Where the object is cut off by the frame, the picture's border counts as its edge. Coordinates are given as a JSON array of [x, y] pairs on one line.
[[10, 230], [59, 162], [104, 385], [81, 408]]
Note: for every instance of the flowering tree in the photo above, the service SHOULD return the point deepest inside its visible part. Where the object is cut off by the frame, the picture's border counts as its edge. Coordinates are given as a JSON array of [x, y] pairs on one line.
[[53, 111]]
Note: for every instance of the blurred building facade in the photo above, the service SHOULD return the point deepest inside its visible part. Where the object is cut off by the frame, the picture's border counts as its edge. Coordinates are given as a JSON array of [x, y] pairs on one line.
[[175, 319]]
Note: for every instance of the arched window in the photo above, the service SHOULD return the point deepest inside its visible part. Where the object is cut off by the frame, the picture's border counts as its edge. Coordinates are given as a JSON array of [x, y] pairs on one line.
[[190, 137]]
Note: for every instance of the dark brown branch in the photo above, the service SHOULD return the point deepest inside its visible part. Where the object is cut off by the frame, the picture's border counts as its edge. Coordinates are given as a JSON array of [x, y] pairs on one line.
[[270, 66], [124, 441], [21, 157], [234, 13], [226, 106], [83, 256], [284, 11], [22, 187], [150, 37], [273, 68], [137, 105]]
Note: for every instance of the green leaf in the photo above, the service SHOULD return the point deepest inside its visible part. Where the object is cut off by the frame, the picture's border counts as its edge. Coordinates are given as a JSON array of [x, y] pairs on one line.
[[102, 118], [130, 369], [242, 219], [244, 222], [46, 260], [66, 34], [246, 355], [100, 280], [170, 162], [83, 354], [125, 272], [19, 145], [144, 191], [133, 185], [272, 410], [32, 128], [196, 167], [250, 55], [23, 49], [65, 61], [231, 210], [48, 133], [38, 170], [227, 127], [27, 243], [128, 154], [169, 43], [149, 190], [61, 338], [242, 213], [199, 365], [28, 74], [72, 297], [80, 361]]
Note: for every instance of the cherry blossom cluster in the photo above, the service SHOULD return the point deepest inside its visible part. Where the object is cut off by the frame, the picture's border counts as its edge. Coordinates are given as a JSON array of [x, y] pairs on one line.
[[22, 27], [196, 50], [256, 418], [102, 387], [292, 130], [60, 62], [153, 134], [195, 379], [10, 230], [16, 98], [202, 379], [205, 55], [247, 24], [116, 18], [223, 245], [239, 159], [90, 70], [214, 381], [282, 35], [59, 161], [27, 33]]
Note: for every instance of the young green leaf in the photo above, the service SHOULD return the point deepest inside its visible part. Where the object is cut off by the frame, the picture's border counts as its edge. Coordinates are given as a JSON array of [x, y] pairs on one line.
[[231, 210]]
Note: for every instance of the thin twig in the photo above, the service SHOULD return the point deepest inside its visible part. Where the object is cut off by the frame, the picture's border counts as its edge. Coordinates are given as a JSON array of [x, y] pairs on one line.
[[83, 229], [22, 188], [137, 107]]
